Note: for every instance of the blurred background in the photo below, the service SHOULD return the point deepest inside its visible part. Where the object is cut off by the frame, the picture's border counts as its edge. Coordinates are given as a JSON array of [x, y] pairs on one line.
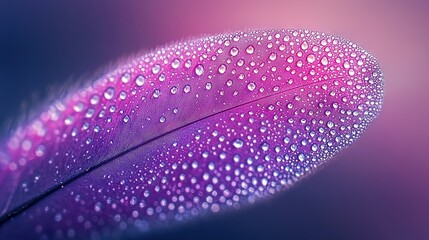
[[376, 189]]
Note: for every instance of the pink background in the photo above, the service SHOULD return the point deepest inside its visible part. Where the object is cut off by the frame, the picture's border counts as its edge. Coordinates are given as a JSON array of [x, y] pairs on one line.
[[376, 189]]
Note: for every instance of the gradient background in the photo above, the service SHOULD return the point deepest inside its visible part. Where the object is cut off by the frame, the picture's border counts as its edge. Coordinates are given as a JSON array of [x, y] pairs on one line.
[[376, 189]]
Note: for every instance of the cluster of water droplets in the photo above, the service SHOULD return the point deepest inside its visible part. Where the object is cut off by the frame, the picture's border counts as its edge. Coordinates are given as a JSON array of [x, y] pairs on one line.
[[245, 115]]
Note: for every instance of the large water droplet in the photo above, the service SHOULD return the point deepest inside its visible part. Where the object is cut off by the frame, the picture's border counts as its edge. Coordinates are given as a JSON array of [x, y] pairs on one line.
[[238, 143], [108, 94], [140, 80], [126, 78], [156, 93], [250, 49], [233, 51], [208, 85], [175, 63], [222, 69], [251, 86], [78, 107], [187, 89], [199, 69]]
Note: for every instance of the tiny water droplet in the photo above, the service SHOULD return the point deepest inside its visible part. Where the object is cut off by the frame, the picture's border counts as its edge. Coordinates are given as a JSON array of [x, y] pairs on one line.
[[40, 151], [78, 107], [156, 93], [311, 58], [126, 119], [187, 89], [208, 85], [94, 99], [324, 61], [173, 90], [156, 68], [188, 63], [304, 45]]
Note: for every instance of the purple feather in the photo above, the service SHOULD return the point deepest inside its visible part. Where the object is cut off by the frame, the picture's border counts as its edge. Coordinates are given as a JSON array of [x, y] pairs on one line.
[[196, 127]]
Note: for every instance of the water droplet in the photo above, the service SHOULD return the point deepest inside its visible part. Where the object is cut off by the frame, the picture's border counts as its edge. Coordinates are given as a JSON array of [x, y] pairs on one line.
[[233, 51], [346, 65], [251, 86], [94, 99], [250, 49], [351, 72], [175, 63], [140, 80], [78, 107], [108, 94], [40, 151], [187, 89], [229, 83], [156, 93], [122, 95], [289, 59], [208, 85], [188, 63], [162, 119], [304, 45], [238, 143], [222, 69], [161, 77], [199, 70], [156, 68], [311, 58], [126, 119], [126, 78], [324, 61], [88, 140], [273, 56], [173, 90], [301, 157]]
